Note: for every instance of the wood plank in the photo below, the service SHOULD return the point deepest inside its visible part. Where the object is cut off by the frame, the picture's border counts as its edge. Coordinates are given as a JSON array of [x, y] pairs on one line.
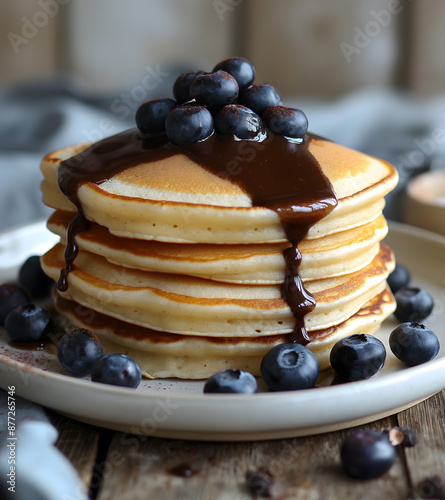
[[428, 456], [140, 467], [79, 443]]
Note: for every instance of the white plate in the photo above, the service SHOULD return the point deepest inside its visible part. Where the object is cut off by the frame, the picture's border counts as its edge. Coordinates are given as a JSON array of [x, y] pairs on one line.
[[178, 409]]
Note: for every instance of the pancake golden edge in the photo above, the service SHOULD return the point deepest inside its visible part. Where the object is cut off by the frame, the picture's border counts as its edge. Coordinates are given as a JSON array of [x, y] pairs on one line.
[[163, 355], [193, 306], [335, 255]]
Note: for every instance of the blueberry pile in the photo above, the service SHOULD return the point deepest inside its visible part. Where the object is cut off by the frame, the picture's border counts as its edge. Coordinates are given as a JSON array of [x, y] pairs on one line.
[[224, 101]]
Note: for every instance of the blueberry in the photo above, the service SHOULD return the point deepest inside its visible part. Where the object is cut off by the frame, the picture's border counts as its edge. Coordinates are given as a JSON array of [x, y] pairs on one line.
[[259, 97], [367, 454], [77, 350], [399, 278], [432, 486], [11, 296], [260, 483], [290, 122], [239, 121], [413, 343], [32, 277], [214, 89], [231, 381], [150, 117], [188, 124], [409, 437], [413, 304], [288, 367], [401, 436], [116, 369], [28, 323], [357, 357], [181, 87], [240, 69]]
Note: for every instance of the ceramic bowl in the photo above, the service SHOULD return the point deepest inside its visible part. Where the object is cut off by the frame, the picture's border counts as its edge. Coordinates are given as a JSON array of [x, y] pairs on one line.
[[425, 201]]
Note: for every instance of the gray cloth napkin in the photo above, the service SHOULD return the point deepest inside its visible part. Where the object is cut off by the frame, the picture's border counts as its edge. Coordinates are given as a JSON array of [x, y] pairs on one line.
[[31, 467]]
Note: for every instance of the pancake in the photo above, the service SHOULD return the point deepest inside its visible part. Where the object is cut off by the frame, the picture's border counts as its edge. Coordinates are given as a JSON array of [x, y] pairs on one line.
[[162, 355], [144, 203], [335, 255], [193, 306]]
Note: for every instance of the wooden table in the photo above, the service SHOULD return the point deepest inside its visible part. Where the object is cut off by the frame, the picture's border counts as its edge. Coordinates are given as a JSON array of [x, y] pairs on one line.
[[114, 465]]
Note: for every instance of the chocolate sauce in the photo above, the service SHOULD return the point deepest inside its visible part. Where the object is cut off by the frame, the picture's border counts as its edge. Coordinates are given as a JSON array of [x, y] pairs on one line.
[[28, 346], [39, 345], [277, 173]]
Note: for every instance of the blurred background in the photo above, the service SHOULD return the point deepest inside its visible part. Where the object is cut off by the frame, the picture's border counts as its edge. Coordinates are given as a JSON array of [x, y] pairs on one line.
[[368, 74]]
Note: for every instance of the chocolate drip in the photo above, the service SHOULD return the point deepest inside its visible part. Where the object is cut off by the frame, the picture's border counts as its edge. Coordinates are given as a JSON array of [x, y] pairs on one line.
[[278, 173], [300, 301], [96, 164], [77, 225]]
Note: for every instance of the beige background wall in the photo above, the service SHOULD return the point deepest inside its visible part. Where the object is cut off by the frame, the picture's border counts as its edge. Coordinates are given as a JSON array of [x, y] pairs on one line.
[[296, 44], [35, 54], [428, 47]]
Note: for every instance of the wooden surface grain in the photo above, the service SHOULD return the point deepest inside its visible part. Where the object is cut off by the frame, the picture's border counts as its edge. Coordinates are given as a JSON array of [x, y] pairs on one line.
[[428, 456], [303, 468], [115, 465]]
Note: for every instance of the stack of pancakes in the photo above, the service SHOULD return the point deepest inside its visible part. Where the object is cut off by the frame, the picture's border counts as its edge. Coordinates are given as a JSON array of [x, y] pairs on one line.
[[180, 271]]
